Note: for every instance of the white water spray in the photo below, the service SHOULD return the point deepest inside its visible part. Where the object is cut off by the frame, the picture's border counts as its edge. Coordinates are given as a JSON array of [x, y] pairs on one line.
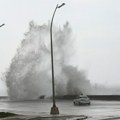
[[29, 74]]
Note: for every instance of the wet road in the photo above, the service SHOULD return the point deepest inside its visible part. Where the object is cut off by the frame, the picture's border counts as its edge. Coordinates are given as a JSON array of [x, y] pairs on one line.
[[105, 110]]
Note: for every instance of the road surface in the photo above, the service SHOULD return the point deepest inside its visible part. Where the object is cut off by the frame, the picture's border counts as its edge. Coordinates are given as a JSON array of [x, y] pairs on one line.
[[98, 110]]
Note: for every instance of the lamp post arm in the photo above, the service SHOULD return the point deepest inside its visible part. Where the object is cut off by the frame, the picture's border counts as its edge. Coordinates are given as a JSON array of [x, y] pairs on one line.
[[52, 62], [2, 25], [52, 22]]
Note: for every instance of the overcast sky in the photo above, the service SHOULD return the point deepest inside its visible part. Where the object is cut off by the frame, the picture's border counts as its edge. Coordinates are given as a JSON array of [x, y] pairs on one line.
[[95, 24]]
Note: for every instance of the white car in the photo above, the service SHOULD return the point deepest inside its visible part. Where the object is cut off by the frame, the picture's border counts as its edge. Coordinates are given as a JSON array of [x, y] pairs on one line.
[[82, 100]]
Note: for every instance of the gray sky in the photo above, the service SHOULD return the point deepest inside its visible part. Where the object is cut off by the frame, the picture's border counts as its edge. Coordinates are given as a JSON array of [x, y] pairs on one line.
[[95, 24]]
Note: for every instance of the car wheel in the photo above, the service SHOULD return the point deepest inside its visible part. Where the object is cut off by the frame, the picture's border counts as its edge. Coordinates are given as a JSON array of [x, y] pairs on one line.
[[74, 103], [79, 103], [88, 104]]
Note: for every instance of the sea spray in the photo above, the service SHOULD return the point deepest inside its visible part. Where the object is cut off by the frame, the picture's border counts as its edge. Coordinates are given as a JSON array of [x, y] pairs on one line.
[[29, 75]]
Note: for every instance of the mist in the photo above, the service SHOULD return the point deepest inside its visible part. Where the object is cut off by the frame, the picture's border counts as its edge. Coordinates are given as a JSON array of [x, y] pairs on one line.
[[29, 74]]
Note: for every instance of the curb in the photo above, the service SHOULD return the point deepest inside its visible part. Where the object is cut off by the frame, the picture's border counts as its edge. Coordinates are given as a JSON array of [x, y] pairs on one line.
[[48, 117]]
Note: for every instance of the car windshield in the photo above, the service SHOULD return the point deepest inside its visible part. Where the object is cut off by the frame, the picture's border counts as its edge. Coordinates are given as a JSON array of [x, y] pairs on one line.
[[82, 97]]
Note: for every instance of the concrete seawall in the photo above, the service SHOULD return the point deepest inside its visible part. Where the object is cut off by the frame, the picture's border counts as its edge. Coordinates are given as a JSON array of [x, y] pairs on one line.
[[92, 97]]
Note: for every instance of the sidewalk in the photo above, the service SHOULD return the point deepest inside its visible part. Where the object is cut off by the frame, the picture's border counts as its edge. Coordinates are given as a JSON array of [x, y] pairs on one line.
[[47, 117]]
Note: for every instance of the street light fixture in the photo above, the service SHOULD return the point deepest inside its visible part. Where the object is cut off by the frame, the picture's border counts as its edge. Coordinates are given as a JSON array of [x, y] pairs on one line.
[[54, 109], [2, 25]]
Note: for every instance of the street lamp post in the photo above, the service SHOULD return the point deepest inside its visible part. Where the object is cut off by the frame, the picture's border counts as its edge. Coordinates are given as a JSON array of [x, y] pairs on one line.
[[2, 25], [54, 109]]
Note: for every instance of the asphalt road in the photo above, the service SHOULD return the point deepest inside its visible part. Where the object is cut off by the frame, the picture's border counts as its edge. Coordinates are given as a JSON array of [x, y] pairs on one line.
[[98, 110]]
